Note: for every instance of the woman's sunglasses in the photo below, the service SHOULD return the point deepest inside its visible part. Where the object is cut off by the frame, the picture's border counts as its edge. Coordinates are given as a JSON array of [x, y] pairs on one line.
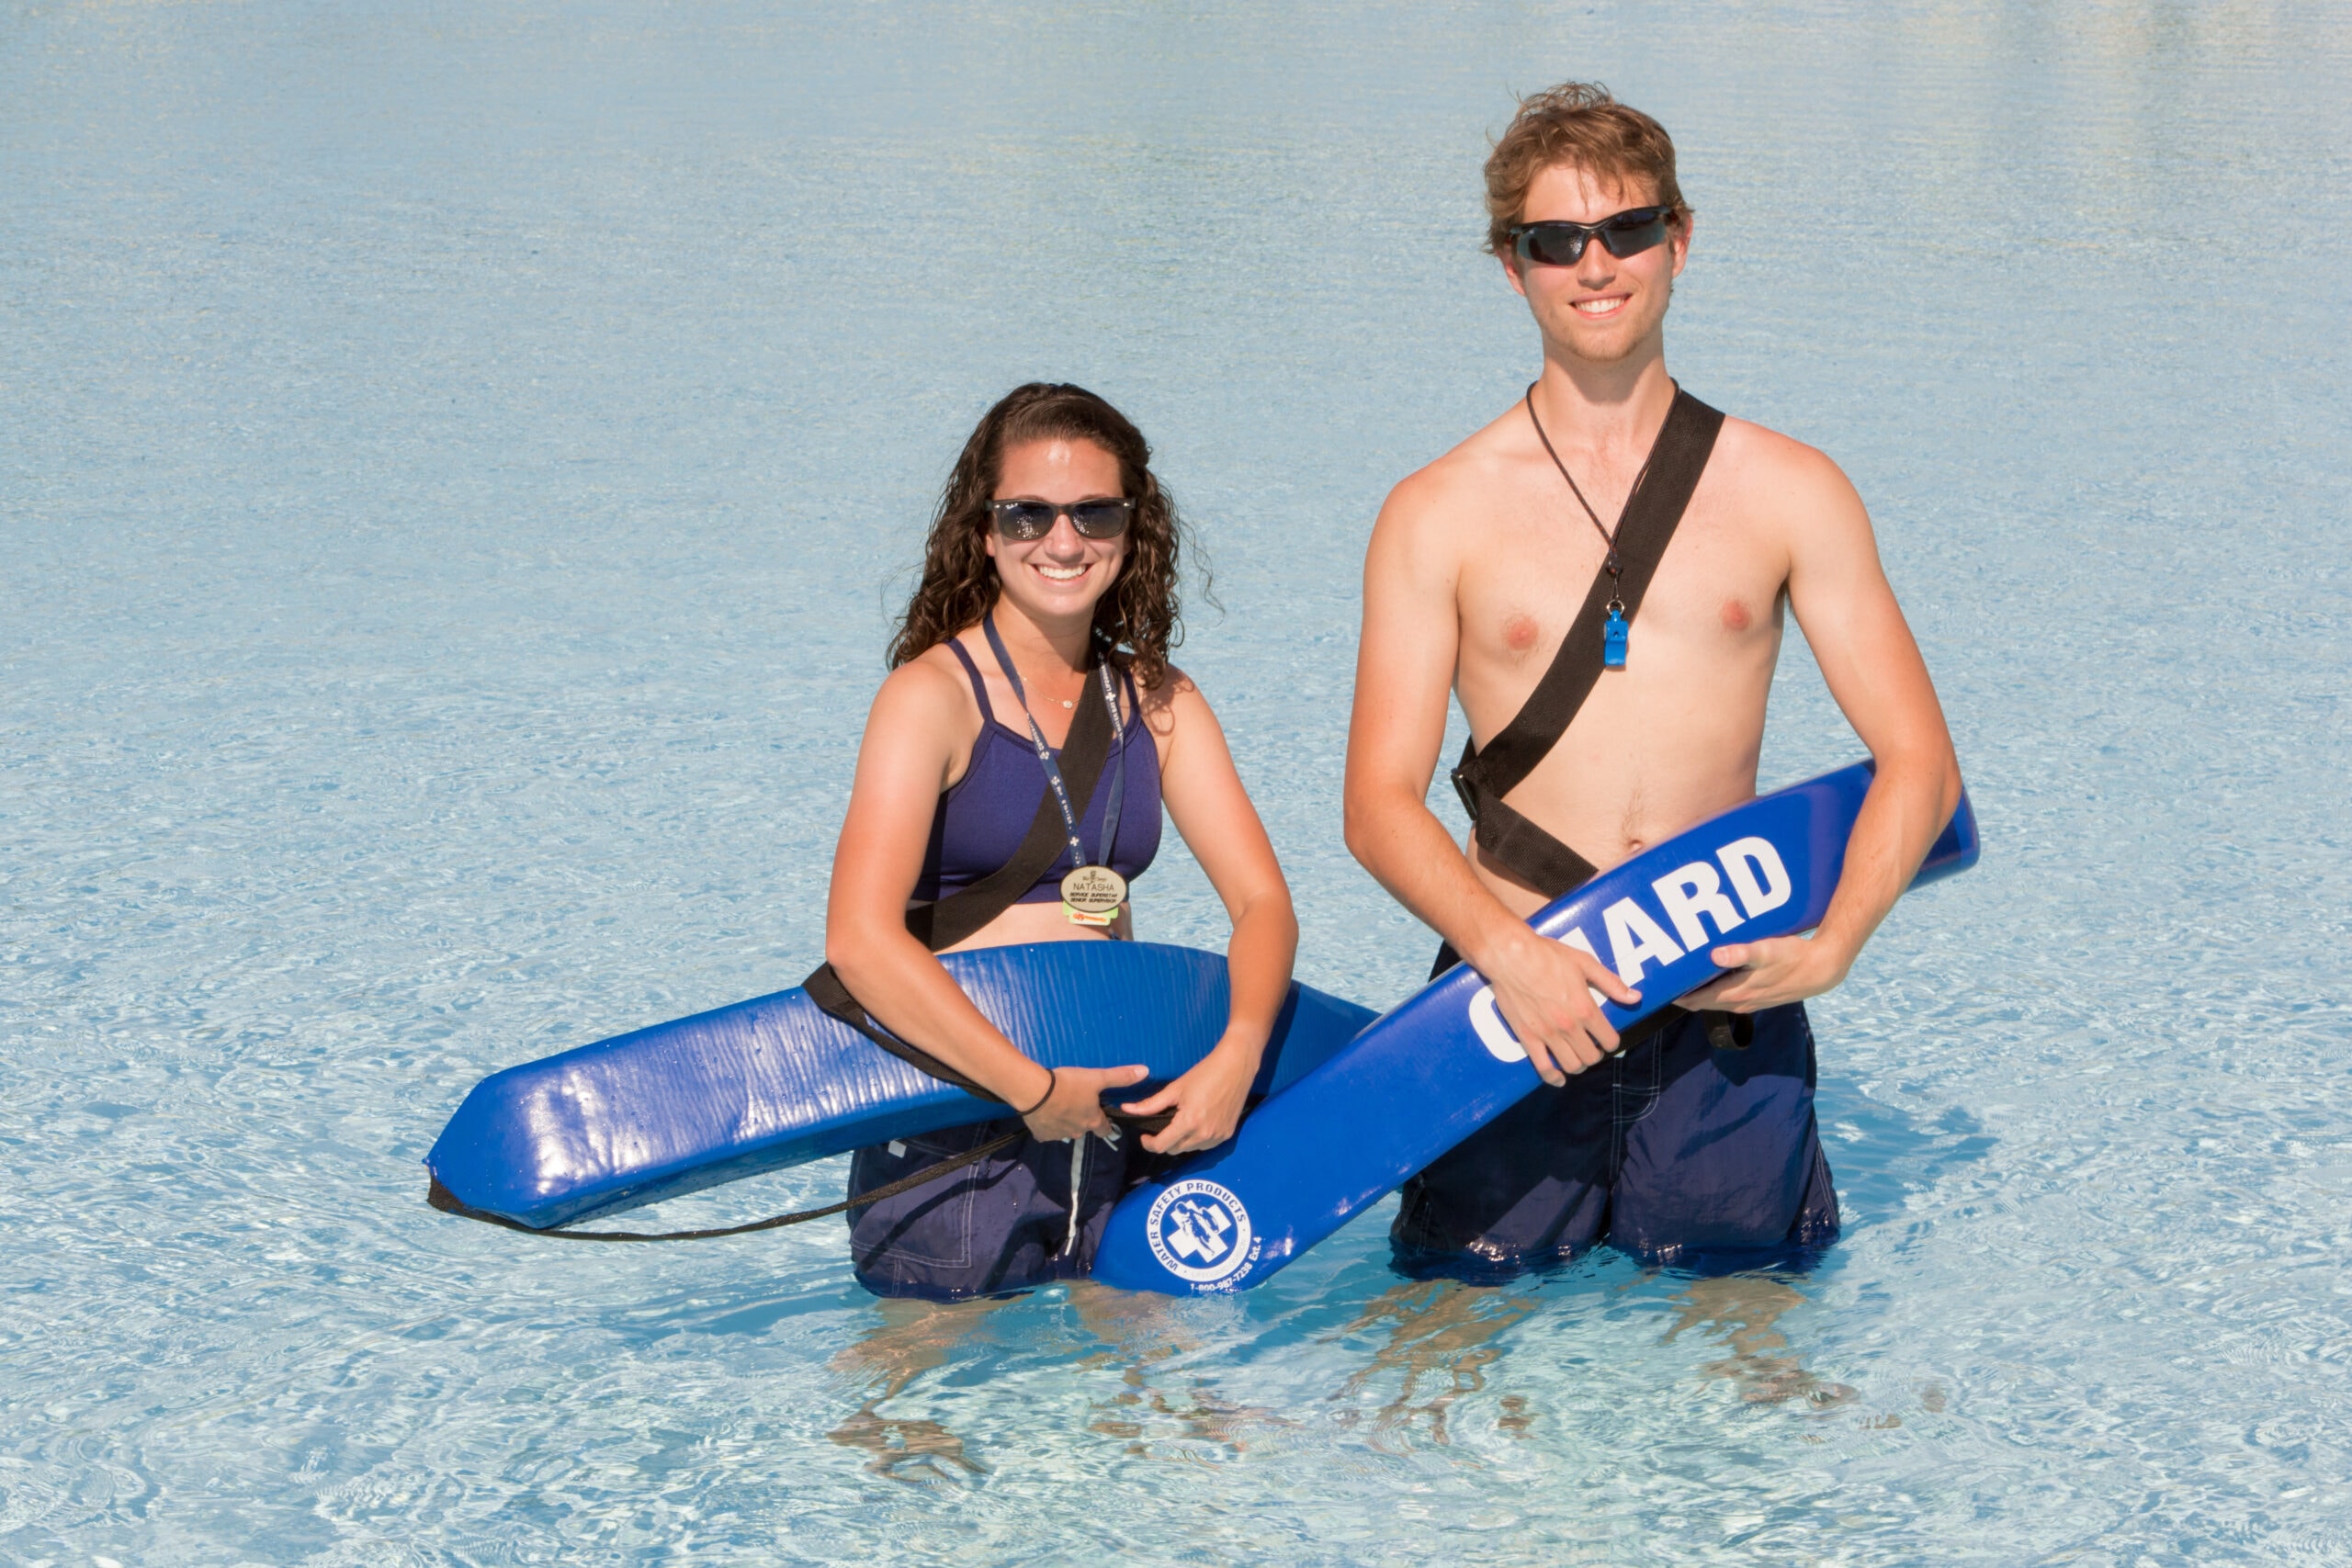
[[1627, 233], [1022, 521]]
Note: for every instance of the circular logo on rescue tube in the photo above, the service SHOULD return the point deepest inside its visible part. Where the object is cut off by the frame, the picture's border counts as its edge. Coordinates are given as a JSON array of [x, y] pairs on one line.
[[1199, 1232]]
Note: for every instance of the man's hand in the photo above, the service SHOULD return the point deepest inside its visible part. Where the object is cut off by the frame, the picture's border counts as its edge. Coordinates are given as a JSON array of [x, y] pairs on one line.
[[1545, 991], [1768, 973], [1207, 1101]]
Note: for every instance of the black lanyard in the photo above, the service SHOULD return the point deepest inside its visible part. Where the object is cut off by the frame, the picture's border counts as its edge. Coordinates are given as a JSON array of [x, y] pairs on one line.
[[1045, 754]]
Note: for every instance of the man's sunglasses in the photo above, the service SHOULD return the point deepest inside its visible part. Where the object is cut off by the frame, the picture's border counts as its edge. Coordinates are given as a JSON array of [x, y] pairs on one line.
[[1627, 233], [1022, 521]]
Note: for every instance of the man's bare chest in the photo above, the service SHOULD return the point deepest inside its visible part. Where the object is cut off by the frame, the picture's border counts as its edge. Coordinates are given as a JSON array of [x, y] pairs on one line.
[[1717, 599]]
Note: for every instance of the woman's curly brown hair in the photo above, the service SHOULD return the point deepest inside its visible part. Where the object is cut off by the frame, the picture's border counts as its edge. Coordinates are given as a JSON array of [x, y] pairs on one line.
[[1137, 622]]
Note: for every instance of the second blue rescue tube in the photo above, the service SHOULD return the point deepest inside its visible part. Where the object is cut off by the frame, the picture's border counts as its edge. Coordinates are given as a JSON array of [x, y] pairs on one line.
[[1424, 1077]]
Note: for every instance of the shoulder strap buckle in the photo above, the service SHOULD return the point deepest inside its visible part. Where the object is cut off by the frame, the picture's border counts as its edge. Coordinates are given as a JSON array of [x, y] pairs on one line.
[[1465, 790]]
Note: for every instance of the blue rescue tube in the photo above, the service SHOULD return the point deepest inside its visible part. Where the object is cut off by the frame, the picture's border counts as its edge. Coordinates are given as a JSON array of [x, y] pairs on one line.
[[776, 1081], [1444, 1064]]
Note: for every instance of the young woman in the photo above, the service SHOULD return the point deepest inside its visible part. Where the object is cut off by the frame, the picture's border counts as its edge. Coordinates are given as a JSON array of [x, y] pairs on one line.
[[1049, 582]]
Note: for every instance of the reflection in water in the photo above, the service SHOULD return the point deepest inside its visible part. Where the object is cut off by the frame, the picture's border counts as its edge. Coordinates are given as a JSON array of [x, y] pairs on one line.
[[1441, 1339], [1141, 1329], [1740, 1310], [916, 1450], [1206, 1428], [1128, 1323], [1438, 1326], [912, 1338]]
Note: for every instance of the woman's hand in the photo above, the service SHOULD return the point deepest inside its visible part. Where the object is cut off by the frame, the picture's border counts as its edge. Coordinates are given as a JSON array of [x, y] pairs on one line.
[[1074, 1108], [1207, 1101]]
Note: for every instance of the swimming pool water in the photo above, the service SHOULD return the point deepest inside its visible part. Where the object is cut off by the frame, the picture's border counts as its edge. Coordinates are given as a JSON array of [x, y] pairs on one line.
[[455, 465]]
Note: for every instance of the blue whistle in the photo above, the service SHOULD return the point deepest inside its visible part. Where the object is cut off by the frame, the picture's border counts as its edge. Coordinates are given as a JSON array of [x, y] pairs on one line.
[[1613, 641]]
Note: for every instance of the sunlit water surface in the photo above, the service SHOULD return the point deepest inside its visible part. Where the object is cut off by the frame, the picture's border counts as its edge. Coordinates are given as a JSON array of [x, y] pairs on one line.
[[456, 461]]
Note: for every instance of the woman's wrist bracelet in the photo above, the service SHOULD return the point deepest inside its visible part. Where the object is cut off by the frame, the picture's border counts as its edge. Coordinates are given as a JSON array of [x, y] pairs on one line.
[[1051, 1083]]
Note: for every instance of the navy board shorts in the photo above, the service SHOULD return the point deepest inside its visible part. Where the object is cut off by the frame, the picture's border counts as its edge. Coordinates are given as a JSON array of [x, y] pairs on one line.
[[1674, 1149], [1003, 1224]]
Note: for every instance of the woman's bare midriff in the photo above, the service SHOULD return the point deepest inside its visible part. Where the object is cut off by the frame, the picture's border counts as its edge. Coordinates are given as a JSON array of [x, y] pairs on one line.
[[1044, 922]]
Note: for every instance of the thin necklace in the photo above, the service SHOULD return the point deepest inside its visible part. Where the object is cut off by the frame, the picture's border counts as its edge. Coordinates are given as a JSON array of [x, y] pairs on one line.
[[1014, 672], [1614, 632]]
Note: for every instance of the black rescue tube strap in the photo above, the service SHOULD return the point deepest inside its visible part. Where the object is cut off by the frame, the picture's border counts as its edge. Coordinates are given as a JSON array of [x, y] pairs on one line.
[[825, 989], [447, 1203], [1646, 527], [1653, 511]]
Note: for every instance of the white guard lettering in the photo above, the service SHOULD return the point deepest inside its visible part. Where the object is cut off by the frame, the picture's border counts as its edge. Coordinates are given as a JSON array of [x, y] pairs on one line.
[[1634, 939], [1486, 1019], [1743, 858], [1690, 891], [1493, 1033]]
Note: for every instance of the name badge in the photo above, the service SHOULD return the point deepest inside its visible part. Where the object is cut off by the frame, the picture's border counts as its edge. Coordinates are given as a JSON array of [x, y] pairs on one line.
[[1091, 895]]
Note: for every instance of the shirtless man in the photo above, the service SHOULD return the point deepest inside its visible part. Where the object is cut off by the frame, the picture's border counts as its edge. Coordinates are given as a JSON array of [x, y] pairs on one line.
[[1695, 1134]]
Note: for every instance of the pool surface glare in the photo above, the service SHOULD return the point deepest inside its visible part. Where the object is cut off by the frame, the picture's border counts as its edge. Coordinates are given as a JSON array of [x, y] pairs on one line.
[[457, 466]]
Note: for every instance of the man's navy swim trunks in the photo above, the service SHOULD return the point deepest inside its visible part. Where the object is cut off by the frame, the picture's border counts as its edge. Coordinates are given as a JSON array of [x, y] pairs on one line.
[[1672, 1150]]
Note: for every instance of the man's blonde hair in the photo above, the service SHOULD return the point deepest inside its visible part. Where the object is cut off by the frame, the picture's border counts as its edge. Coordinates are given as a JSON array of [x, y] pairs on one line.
[[1581, 126]]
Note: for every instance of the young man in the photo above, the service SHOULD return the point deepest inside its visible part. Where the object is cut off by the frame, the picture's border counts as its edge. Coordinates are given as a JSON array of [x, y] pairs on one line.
[[1630, 550]]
